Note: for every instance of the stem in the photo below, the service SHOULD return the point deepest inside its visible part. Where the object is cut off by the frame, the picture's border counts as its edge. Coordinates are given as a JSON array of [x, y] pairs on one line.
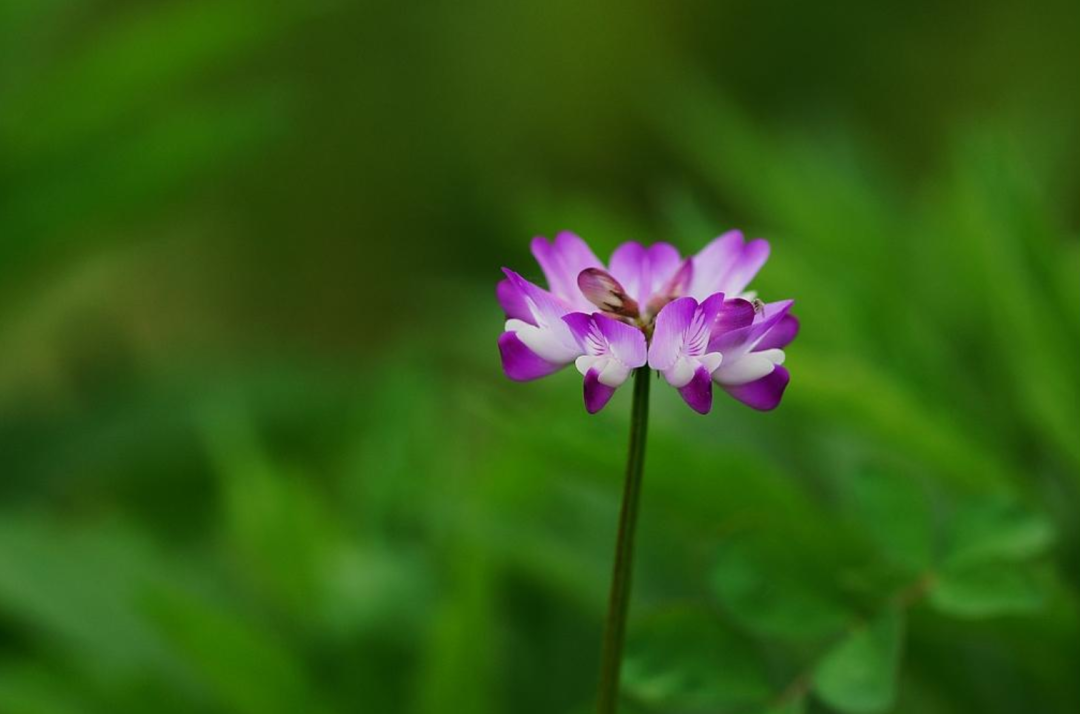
[[619, 601]]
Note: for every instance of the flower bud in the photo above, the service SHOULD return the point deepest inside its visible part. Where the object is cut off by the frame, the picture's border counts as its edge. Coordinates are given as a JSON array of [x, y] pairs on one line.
[[604, 291]]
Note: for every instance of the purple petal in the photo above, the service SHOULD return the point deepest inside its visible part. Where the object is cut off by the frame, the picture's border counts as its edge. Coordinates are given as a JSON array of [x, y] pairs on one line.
[[765, 393], [548, 308], [746, 266], [744, 337], [626, 341], [698, 393], [727, 265], [713, 262], [663, 263], [771, 313], [513, 302], [671, 326], [519, 362], [781, 334], [596, 395], [580, 326], [629, 265], [643, 271], [712, 307], [676, 286], [562, 261], [736, 314]]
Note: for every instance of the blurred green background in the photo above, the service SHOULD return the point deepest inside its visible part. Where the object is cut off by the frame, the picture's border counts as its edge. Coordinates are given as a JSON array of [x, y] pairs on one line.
[[257, 451]]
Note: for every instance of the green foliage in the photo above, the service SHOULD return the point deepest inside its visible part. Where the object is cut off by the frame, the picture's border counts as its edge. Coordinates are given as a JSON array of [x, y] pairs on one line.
[[987, 590], [986, 570], [687, 661], [859, 674], [895, 513], [768, 588], [996, 529]]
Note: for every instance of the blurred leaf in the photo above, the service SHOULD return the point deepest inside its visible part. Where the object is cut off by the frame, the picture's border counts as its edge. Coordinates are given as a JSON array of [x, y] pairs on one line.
[[372, 589], [80, 588], [684, 660], [768, 588], [998, 220], [282, 531], [30, 689], [449, 681], [244, 667], [894, 512], [859, 675], [995, 529], [838, 388], [987, 590]]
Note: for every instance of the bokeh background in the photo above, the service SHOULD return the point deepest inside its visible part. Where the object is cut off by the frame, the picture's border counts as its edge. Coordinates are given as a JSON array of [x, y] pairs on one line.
[[257, 454]]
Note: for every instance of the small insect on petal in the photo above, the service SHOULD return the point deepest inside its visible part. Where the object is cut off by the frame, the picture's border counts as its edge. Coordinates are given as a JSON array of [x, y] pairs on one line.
[[604, 291]]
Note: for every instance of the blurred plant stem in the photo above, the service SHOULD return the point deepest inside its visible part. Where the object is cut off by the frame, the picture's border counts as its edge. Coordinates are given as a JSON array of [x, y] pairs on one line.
[[619, 600]]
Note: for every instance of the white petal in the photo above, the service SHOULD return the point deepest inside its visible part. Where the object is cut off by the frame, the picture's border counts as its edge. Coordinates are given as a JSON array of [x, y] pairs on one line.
[[586, 362], [547, 342], [776, 356], [745, 369], [711, 361], [680, 373], [614, 373]]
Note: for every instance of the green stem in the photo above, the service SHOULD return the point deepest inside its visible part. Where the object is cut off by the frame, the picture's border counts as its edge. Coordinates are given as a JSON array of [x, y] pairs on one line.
[[619, 601]]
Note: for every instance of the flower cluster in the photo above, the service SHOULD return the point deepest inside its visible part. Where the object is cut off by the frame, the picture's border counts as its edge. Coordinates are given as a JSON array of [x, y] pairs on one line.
[[689, 319]]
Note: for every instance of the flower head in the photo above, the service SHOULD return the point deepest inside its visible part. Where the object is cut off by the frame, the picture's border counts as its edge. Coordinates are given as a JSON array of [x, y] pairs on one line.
[[689, 319]]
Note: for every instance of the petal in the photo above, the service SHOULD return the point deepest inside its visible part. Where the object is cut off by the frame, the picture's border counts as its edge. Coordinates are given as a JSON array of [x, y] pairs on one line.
[[512, 301], [676, 286], [736, 314], [698, 392], [643, 271], [519, 362], [748, 367], [627, 342], [713, 262], [662, 264], [596, 394], [743, 339], [629, 265], [781, 334], [614, 373], [586, 362], [679, 374], [671, 326], [711, 361], [696, 338], [727, 265], [544, 307], [746, 266], [546, 334], [562, 261], [548, 343], [763, 394], [581, 328]]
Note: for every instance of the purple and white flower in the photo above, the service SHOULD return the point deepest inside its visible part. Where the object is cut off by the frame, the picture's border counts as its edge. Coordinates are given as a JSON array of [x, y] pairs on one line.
[[612, 350], [689, 319]]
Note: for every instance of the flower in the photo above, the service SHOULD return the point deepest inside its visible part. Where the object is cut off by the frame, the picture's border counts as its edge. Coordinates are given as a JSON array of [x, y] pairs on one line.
[[689, 319], [612, 350]]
